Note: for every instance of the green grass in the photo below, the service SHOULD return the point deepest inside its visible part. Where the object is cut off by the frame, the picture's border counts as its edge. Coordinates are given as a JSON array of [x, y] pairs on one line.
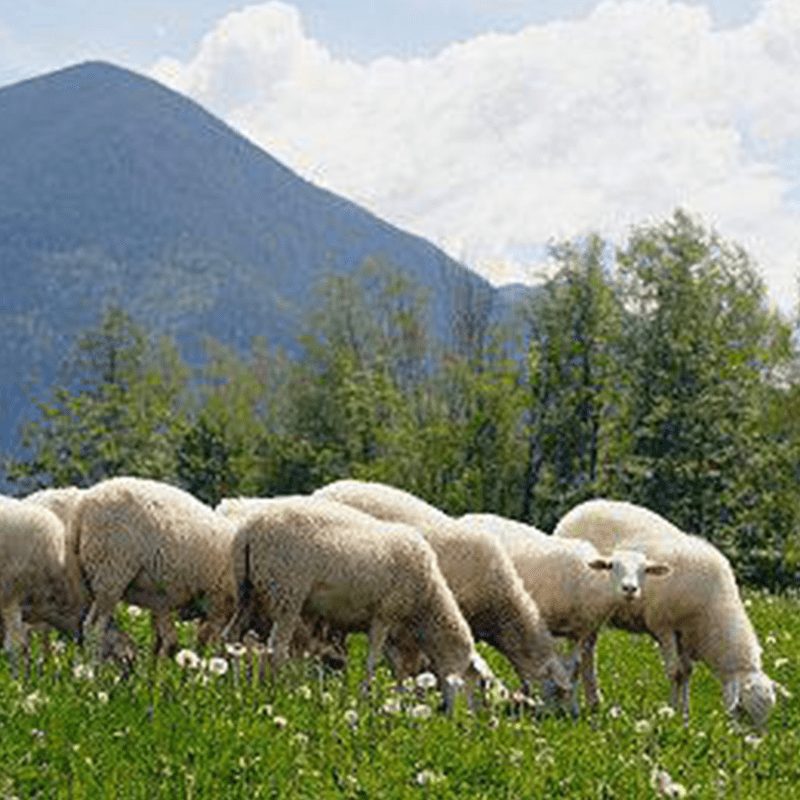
[[165, 732]]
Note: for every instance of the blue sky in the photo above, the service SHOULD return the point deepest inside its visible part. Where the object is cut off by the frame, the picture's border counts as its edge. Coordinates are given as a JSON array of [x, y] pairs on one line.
[[491, 127]]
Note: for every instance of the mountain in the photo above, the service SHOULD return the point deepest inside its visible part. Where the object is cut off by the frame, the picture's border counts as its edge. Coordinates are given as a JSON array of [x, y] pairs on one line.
[[116, 190]]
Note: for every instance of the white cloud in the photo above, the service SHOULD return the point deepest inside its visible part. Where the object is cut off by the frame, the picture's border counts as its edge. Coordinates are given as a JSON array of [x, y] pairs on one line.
[[503, 142]]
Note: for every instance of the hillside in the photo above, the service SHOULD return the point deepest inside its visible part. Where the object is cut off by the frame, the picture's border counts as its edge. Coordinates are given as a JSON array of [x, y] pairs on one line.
[[114, 189]]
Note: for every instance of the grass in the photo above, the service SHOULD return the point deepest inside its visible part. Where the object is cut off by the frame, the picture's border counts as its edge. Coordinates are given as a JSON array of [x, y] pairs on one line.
[[172, 733]]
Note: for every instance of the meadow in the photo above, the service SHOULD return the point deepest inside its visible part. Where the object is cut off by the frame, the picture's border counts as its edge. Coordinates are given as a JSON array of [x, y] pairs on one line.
[[171, 731]]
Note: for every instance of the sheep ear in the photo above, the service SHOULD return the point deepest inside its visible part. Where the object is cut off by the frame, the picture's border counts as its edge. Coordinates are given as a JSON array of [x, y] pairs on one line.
[[652, 568], [599, 563], [731, 694]]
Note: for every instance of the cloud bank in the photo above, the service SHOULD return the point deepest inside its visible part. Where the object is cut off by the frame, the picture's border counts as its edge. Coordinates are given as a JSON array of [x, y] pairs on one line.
[[499, 144]]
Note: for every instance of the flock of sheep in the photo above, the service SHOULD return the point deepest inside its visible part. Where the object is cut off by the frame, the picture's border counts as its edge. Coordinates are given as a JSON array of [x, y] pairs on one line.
[[358, 556]]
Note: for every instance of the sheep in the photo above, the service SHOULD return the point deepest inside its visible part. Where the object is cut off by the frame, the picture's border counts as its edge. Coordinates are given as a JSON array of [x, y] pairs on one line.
[[312, 637], [480, 574], [566, 579], [61, 501], [34, 579], [696, 613], [299, 555], [158, 547]]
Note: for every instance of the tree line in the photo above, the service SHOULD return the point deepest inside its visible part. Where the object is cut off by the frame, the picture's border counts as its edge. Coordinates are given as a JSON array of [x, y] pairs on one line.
[[655, 372]]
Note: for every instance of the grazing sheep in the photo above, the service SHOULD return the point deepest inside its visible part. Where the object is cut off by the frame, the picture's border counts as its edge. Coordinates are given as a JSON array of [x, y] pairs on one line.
[[33, 580], [303, 555], [62, 501], [695, 614], [567, 579], [480, 574], [158, 547], [312, 637]]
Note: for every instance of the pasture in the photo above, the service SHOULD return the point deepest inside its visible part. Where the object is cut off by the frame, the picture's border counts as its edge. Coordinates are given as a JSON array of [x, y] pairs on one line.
[[67, 730]]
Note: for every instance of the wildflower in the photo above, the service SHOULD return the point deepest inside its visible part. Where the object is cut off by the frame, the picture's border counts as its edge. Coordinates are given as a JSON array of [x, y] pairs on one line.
[[771, 639], [326, 698], [781, 662], [300, 739], [427, 777], [426, 680], [58, 646], [455, 682], [217, 666], [615, 712], [494, 723], [83, 672], [280, 722], [420, 711], [752, 740], [188, 659], [102, 698], [32, 702], [37, 733], [134, 612], [664, 786], [642, 726], [351, 717], [392, 706], [666, 712], [235, 650], [304, 692]]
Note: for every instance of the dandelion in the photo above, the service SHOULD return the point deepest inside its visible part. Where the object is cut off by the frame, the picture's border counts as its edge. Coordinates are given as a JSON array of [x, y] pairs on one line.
[[781, 662], [420, 711], [188, 659], [752, 740], [33, 702], [392, 706], [351, 717], [664, 786], [300, 739], [615, 712], [236, 650], [217, 666], [455, 682], [280, 722], [58, 646], [83, 672], [37, 733], [771, 639], [426, 680], [642, 726], [427, 777], [666, 712], [304, 692], [494, 723], [326, 698], [102, 698], [134, 612]]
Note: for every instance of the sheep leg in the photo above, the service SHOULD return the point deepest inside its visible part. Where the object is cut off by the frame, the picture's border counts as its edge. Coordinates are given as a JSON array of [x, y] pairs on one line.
[[668, 643], [280, 637], [683, 685], [378, 632], [165, 641], [96, 625], [15, 635], [588, 670]]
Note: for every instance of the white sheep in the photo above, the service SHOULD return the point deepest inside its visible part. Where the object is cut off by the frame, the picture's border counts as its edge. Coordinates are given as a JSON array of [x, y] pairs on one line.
[[158, 547], [33, 578], [305, 555], [575, 588], [696, 613], [480, 574], [61, 501]]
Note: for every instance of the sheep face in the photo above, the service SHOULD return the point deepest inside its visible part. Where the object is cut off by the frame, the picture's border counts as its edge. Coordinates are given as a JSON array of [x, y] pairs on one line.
[[628, 569], [752, 692]]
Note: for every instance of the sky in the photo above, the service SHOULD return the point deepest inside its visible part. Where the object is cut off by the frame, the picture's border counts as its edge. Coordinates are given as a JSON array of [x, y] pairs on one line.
[[491, 127]]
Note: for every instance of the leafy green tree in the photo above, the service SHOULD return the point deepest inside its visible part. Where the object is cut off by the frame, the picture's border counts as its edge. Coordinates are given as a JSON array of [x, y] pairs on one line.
[[703, 351], [115, 412]]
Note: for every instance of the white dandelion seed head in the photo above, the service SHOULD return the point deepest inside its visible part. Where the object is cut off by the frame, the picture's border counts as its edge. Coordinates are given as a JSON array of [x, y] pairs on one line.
[[428, 777], [83, 672], [304, 692], [420, 711], [392, 706], [102, 698], [236, 650], [188, 659], [426, 680], [135, 611], [351, 717], [217, 666], [615, 712], [280, 722], [666, 712], [642, 726]]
